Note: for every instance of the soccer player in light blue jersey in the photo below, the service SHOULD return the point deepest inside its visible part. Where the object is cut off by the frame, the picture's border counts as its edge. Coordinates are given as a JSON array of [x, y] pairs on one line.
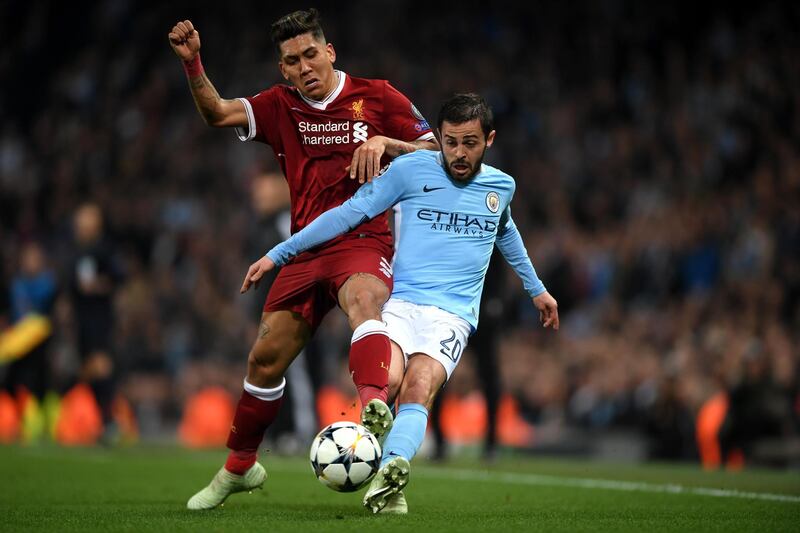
[[450, 211]]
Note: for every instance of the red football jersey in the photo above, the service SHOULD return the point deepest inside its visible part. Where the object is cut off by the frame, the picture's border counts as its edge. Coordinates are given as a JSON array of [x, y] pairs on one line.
[[314, 141]]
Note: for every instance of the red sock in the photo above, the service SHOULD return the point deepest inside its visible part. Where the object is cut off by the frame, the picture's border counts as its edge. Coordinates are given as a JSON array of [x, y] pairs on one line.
[[370, 355], [240, 462], [253, 416]]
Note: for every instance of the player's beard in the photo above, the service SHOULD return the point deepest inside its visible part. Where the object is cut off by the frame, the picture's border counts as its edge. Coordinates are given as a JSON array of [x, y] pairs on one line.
[[474, 169]]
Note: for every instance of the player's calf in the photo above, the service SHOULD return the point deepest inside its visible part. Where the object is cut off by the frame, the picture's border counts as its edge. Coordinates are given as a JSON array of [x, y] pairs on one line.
[[370, 357]]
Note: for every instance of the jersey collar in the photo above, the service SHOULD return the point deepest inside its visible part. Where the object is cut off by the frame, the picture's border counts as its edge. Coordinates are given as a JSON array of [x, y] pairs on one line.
[[323, 104]]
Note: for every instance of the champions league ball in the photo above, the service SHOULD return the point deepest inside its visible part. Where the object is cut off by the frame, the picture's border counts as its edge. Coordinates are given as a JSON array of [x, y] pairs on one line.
[[345, 456]]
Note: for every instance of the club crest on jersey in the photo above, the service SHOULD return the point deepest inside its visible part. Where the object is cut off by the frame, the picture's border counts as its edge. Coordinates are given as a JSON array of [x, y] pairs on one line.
[[422, 124], [493, 201], [358, 109]]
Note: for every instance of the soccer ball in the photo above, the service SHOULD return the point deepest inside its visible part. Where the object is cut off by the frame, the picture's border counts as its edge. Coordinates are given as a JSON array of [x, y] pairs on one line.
[[344, 456]]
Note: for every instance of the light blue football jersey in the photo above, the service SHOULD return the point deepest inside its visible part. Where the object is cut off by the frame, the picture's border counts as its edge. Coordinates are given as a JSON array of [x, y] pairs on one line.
[[444, 230]]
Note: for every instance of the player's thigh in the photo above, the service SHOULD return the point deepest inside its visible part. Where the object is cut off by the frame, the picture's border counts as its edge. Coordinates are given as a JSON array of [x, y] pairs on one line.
[[298, 289], [426, 329], [281, 336], [423, 379], [362, 278], [398, 317], [362, 296]]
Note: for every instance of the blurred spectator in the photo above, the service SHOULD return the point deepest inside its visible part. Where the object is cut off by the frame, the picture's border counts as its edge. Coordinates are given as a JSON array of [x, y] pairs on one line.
[[93, 279], [33, 292], [269, 226], [759, 406]]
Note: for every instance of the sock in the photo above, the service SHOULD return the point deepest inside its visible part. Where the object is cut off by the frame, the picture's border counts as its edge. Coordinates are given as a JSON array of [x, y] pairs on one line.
[[406, 435], [256, 410], [370, 355]]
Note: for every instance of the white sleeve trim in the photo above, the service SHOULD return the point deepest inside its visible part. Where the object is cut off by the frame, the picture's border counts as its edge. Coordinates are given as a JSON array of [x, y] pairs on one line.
[[250, 133], [425, 136]]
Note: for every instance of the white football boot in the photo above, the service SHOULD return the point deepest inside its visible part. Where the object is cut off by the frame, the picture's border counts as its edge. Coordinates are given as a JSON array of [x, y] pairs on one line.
[[387, 484], [224, 484], [396, 504]]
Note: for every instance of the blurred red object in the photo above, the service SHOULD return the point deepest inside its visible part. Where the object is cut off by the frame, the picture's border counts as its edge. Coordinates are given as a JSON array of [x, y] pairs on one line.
[[79, 422], [9, 418], [207, 419], [333, 405]]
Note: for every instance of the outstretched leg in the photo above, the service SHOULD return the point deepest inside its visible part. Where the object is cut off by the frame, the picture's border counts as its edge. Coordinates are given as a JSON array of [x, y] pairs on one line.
[[362, 297], [282, 334], [423, 379]]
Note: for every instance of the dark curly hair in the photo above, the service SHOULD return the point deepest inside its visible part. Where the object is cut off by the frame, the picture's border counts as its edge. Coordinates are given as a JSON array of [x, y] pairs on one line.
[[294, 24], [463, 107]]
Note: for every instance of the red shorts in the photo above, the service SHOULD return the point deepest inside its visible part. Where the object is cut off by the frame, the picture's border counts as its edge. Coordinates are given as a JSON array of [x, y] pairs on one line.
[[310, 287]]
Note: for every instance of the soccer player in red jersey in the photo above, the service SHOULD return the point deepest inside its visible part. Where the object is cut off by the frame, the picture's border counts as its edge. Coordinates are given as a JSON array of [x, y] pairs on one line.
[[330, 132]]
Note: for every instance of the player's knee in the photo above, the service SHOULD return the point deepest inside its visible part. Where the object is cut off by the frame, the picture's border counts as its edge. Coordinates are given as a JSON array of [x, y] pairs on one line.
[[264, 364], [363, 298], [365, 301]]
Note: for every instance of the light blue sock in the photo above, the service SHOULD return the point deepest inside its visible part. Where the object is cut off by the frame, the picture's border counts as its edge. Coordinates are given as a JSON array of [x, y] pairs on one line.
[[407, 433]]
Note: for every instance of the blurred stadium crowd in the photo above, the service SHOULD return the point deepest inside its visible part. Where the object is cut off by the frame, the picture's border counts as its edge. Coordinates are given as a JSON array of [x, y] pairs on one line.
[[656, 150]]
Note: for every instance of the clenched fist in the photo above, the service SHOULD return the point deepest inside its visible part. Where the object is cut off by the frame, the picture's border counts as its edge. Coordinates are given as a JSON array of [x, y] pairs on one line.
[[185, 40]]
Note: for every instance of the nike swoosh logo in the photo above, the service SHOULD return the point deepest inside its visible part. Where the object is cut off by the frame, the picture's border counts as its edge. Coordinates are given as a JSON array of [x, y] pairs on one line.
[[430, 189]]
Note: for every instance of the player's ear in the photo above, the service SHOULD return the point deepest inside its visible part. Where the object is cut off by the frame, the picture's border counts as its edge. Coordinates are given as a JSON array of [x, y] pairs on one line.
[[331, 52], [490, 138], [282, 68]]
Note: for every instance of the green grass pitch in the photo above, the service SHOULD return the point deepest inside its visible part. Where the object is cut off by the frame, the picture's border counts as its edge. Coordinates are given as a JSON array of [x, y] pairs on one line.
[[145, 489]]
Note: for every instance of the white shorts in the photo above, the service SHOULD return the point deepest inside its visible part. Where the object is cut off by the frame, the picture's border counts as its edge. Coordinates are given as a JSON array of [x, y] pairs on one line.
[[427, 329]]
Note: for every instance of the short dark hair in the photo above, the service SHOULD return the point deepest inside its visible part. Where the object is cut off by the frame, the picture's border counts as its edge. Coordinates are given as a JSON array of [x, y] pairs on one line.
[[463, 107], [294, 24]]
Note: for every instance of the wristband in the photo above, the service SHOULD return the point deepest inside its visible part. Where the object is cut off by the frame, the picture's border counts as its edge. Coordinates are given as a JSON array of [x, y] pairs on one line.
[[193, 67]]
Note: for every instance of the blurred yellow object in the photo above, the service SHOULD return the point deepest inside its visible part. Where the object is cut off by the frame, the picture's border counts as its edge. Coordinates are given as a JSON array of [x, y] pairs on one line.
[[20, 339], [51, 405], [32, 419]]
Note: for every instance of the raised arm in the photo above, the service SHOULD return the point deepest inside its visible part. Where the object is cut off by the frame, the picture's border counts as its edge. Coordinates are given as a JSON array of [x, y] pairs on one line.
[[215, 110], [510, 244]]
